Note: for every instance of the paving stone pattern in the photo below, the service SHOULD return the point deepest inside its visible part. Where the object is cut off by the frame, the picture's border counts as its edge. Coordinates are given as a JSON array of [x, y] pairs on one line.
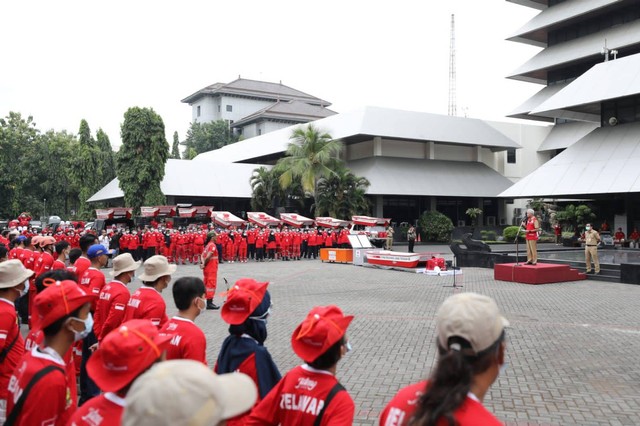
[[573, 348]]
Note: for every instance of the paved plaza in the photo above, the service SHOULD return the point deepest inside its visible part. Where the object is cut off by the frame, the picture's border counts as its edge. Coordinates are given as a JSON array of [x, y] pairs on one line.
[[573, 348]]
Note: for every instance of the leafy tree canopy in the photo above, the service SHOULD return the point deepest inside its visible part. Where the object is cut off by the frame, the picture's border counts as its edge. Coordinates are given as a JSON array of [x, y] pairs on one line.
[[203, 137]]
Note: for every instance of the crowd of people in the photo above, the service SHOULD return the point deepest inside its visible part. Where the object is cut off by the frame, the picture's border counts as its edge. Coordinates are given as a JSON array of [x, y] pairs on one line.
[[96, 354]]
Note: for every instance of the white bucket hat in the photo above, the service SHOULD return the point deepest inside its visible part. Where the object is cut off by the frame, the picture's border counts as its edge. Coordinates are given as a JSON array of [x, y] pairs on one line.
[[124, 263], [175, 390], [12, 273], [155, 267]]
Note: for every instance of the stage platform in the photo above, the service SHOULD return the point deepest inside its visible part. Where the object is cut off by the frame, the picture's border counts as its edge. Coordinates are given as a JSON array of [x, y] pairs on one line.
[[542, 273]]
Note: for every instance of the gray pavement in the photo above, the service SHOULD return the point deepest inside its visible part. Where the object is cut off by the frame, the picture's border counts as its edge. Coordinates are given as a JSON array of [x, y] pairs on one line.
[[573, 348]]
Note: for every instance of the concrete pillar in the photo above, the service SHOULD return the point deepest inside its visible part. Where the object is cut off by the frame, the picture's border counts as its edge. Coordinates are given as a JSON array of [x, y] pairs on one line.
[[434, 204], [476, 154], [379, 206], [502, 211], [377, 147], [480, 218], [429, 151]]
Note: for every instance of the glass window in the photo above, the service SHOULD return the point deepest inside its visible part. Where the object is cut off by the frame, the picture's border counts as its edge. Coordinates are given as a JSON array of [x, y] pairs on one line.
[[198, 112], [511, 156], [229, 108]]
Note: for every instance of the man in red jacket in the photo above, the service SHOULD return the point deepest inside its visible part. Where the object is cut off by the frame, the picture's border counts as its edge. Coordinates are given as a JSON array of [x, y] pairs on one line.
[[113, 299], [146, 302], [63, 313], [13, 276], [321, 341]]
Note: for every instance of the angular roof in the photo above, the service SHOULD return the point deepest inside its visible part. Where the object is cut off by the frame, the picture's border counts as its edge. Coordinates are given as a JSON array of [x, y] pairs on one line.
[[402, 176], [603, 162], [255, 89], [604, 81], [566, 134], [577, 50], [536, 30], [523, 110], [373, 121], [292, 111], [535, 4], [195, 179]]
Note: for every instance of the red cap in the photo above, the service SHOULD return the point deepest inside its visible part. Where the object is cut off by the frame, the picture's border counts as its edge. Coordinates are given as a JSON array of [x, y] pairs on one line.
[[243, 298], [125, 353], [323, 327], [58, 300]]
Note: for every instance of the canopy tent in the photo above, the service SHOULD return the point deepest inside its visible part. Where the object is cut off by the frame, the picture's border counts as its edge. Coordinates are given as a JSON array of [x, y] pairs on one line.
[[194, 211], [370, 221], [331, 222], [114, 213], [262, 219], [168, 211], [226, 219], [295, 220]]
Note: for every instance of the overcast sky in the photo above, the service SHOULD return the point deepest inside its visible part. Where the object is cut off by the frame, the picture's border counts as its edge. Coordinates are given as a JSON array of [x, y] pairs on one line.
[[65, 61]]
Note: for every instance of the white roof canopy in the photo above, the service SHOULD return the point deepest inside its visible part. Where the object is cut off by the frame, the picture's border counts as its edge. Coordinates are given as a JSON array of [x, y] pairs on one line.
[[523, 110], [566, 134], [603, 162]]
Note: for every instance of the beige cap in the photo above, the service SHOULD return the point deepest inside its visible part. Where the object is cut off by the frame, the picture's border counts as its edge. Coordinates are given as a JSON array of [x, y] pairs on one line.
[[186, 392], [155, 267], [12, 273], [124, 263], [474, 317]]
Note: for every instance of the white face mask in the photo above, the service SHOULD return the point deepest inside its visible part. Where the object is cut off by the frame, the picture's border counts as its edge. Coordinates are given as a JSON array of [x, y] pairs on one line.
[[25, 290], [503, 368], [204, 307], [88, 326]]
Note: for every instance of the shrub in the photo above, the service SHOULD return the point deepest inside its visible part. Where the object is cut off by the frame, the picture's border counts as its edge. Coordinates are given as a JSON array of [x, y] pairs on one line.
[[510, 232], [435, 227]]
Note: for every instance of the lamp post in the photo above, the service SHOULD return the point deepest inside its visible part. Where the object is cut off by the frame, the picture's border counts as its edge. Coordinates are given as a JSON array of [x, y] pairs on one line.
[[44, 207]]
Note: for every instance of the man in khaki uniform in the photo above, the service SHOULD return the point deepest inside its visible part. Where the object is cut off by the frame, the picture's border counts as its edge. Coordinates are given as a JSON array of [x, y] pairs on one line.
[[389, 242], [591, 240]]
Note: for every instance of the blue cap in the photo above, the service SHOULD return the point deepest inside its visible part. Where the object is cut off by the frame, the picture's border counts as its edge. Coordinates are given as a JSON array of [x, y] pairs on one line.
[[21, 238], [97, 250]]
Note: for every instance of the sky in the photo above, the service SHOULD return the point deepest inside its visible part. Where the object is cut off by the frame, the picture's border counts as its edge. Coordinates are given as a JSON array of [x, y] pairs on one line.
[[64, 61]]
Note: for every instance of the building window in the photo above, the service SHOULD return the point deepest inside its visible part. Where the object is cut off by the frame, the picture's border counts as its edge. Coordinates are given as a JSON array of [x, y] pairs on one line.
[[218, 108], [229, 108], [511, 156], [259, 132], [198, 111]]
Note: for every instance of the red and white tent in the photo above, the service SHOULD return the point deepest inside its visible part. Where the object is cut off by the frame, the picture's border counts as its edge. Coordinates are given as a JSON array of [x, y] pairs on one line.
[[295, 220], [226, 219], [331, 222], [195, 211], [262, 219], [370, 221], [149, 211], [114, 213]]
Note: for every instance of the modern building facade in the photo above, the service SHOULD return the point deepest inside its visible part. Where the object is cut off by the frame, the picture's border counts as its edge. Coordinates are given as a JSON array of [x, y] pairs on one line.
[[252, 108], [590, 90]]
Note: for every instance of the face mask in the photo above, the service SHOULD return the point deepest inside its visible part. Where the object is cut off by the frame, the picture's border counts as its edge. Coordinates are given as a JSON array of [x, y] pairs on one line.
[[88, 326], [348, 347], [503, 368], [588, 228], [264, 317], [204, 307], [25, 290]]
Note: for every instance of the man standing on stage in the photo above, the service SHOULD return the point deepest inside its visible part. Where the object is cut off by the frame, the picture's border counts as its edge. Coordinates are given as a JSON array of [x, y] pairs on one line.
[[532, 227], [591, 240]]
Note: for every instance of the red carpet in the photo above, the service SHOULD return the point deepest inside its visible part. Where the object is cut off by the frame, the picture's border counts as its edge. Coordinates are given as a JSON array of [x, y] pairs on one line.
[[542, 273]]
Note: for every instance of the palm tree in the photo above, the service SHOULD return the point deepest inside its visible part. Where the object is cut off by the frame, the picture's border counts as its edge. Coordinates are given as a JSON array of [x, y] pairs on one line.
[[263, 182], [311, 155], [342, 194]]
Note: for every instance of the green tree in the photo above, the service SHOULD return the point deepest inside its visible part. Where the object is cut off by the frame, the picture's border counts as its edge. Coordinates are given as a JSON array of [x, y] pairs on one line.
[[18, 139], [107, 158], [88, 170], [265, 189], [142, 157], [175, 149], [312, 155], [574, 217], [342, 194], [203, 137], [473, 213]]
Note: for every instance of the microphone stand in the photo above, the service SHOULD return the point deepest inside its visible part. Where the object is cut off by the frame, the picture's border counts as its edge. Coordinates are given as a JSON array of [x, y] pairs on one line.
[[517, 242]]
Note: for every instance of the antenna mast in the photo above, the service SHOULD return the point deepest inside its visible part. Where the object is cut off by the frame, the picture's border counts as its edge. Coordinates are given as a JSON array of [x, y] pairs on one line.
[[452, 69]]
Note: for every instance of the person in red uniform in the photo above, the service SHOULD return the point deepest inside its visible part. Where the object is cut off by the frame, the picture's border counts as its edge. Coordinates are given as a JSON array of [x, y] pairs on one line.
[[471, 346], [260, 243], [532, 227], [123, 355], [198, 246], [83, 263], [146, 302], [39, 393], [321, 341], [242, 248], [209, 266], [62, 249], [634, 237], [46, 259], [113, 299], [187, 339], [13, 284], [557, 231], [247, 309], [618, 237]]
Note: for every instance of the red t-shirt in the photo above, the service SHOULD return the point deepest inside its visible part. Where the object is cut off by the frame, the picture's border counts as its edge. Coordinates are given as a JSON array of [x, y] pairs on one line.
[[9, 331], [147, 303], [400, 409], [27, 257], [188, 341], [103, 410], [49, 403], [80, 267], [298, 398], [92, 282], [110, 308], [532, 225], [44, 263], [58, 264]]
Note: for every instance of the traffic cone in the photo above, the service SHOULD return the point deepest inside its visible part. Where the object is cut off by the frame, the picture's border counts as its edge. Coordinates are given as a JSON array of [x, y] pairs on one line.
[[419, 238]]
